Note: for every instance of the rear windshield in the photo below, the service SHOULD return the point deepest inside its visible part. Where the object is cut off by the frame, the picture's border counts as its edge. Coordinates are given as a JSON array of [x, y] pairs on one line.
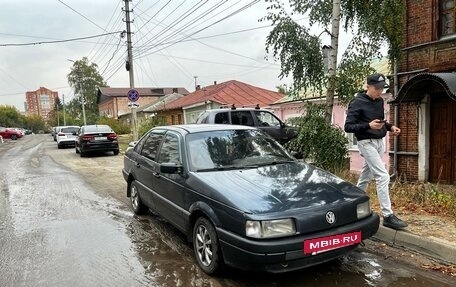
[[69, 130], [100, 129]]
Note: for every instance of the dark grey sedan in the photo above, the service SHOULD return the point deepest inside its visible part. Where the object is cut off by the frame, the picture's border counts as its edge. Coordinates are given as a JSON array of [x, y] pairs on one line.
[[243, 201]]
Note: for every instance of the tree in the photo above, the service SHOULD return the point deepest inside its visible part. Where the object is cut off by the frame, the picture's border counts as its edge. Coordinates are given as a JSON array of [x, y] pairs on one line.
[[85, 79], [10, 117], [372, 24]]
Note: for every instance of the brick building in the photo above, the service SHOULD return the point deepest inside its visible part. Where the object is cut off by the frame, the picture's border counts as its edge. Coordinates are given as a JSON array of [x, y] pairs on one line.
[[41, 102], [425, 104], [113, 102]]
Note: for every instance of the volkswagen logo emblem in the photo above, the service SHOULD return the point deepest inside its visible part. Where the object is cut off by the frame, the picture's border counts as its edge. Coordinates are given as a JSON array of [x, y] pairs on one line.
[[330, 217]]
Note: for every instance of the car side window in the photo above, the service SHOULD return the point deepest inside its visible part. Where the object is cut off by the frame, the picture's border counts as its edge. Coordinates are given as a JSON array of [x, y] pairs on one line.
[[266, 119], [151, 145], [169, 151], [242, 118], [221, 118]]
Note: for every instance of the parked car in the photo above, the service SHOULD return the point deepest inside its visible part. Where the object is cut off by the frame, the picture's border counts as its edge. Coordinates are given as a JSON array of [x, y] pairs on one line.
[[66, 135], [10, 133], [243, 200], [263, 119], [93, 138], [54, 132]]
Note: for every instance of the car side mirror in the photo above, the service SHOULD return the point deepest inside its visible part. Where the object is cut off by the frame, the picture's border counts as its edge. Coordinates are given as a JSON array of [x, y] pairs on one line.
[[171, 168], [132, 144]]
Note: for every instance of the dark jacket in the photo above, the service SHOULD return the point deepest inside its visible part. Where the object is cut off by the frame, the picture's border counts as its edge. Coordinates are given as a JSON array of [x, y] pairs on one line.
[[361, 111]]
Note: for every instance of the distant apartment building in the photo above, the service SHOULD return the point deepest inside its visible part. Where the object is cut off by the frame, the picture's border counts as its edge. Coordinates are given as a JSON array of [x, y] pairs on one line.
[[41, 102]]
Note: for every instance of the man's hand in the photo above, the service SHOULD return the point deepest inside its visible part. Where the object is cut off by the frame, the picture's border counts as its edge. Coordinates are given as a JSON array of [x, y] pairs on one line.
[[376, 124], [395, 131]]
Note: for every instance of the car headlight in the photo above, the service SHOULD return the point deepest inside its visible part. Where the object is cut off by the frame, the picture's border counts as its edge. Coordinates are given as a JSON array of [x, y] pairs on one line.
[[270, 228], [363, 209]]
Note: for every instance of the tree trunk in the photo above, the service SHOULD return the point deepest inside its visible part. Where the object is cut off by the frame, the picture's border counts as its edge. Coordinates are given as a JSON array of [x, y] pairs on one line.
[[332, 61]]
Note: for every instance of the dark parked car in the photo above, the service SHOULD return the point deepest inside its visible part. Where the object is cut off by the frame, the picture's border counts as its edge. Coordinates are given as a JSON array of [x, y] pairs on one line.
[[8, 133], [262, 119], [93, 138], [243, 200]]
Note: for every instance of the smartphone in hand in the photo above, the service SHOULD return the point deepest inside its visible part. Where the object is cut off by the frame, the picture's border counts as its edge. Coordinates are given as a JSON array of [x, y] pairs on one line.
[[380, 121]]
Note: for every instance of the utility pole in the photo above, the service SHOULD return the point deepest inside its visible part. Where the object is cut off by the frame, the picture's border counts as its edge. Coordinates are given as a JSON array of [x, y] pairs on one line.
[[196, 77], [80, 77], [58, 116], [63, 104], [129, 67]]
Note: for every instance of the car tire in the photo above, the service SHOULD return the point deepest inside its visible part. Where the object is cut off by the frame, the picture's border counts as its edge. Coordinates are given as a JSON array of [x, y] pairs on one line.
[[14, 137], [59, 146], [76, 149], [206, 246], [82, 154], [116, 152], [136, 203]]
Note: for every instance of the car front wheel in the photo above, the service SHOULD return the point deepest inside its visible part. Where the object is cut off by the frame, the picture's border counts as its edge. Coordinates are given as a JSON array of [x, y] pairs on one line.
[[136, 202], [206, 246]]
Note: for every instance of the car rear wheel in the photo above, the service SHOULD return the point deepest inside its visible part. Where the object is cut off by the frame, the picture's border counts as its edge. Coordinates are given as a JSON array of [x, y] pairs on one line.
[[206, 246], [116, 152], [136, 202], [14, 137]]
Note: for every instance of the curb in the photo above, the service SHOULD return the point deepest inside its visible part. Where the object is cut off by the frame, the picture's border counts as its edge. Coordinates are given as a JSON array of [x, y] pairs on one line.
[[430, 246]]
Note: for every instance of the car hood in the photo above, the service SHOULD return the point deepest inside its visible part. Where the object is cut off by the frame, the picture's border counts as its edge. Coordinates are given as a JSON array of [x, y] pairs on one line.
[[275, 188]]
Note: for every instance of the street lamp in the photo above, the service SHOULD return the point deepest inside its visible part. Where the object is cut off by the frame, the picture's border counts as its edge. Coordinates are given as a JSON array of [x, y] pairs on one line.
[[80, 95]]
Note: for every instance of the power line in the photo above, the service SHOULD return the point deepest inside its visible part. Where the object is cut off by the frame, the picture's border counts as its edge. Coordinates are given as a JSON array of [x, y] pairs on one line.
[[58, 41]]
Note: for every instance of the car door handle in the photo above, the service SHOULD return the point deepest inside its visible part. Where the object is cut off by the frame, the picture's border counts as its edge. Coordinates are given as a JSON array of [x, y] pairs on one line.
[[156, 174]]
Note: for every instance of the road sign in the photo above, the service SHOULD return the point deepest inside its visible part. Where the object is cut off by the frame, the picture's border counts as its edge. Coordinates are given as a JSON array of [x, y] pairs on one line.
[[133, 95]]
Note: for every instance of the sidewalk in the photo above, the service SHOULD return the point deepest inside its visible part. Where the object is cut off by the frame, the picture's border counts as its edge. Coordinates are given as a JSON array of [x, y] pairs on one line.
[[428, 235]]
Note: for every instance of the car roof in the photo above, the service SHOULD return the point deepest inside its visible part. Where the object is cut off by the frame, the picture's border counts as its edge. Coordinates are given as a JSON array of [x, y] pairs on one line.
[[236, 109], [195, 128]]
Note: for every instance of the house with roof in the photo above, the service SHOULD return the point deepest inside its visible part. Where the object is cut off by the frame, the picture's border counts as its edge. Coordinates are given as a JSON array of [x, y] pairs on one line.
[[289, 107], [425, 102], [187, 109], [114, 102], [153, 109]]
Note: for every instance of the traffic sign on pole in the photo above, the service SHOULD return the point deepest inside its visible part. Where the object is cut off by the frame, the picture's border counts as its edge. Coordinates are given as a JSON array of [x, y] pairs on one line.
[[133, 95]]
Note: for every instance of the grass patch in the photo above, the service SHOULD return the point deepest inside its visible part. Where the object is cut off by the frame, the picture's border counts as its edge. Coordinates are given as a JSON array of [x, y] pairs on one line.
[[419, 197], [124, 140]]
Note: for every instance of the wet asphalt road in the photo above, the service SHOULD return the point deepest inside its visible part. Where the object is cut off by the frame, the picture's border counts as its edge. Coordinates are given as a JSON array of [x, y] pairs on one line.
[[65, 221]]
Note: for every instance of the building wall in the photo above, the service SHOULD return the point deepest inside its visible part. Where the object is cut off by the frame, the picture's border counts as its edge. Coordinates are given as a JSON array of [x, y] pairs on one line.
[[41, 102], [116, 106], [424, 50]]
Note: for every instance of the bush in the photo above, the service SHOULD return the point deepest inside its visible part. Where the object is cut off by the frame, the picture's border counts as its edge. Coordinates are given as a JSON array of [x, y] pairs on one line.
[[150, 123], [117, 125], [322, 144]]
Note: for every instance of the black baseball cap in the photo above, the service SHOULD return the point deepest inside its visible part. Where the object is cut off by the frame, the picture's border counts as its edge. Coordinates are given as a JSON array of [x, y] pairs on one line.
[[377, 80]]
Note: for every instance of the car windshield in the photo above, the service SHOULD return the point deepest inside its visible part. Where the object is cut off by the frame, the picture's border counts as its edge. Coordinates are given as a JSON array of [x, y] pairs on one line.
[[234, 149]]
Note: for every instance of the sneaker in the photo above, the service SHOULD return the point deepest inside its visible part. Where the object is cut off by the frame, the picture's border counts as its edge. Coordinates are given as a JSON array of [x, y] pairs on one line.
[[393, 222]]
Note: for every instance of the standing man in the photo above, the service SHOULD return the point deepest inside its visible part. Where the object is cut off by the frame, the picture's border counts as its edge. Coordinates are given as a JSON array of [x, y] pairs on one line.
[[365, 118]]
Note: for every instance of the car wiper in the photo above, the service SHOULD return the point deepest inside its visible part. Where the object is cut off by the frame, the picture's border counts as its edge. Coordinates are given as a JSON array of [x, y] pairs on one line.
[[221, 168], [276, 162]]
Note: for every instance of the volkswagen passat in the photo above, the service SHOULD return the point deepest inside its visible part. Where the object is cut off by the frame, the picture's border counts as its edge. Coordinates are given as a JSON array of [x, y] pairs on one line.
[[242, 200]]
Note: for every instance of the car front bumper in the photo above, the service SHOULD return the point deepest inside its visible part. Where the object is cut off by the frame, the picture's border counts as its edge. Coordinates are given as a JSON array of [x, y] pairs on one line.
[[287, 254]]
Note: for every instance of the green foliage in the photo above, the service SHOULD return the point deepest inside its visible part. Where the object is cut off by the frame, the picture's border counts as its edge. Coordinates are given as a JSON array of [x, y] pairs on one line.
[[34, 123], [372, 24], [10, 117], [85, 79], [150, 123], [117, 125], [323, 144]]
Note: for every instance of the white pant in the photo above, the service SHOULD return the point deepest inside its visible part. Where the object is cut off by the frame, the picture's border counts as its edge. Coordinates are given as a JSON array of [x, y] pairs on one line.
[[371, 150]]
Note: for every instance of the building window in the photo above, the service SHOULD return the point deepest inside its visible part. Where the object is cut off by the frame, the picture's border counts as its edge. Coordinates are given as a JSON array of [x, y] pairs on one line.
[[447, 17]]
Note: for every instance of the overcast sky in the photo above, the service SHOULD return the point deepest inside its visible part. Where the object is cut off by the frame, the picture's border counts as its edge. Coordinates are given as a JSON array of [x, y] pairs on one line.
[[173, 41]]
